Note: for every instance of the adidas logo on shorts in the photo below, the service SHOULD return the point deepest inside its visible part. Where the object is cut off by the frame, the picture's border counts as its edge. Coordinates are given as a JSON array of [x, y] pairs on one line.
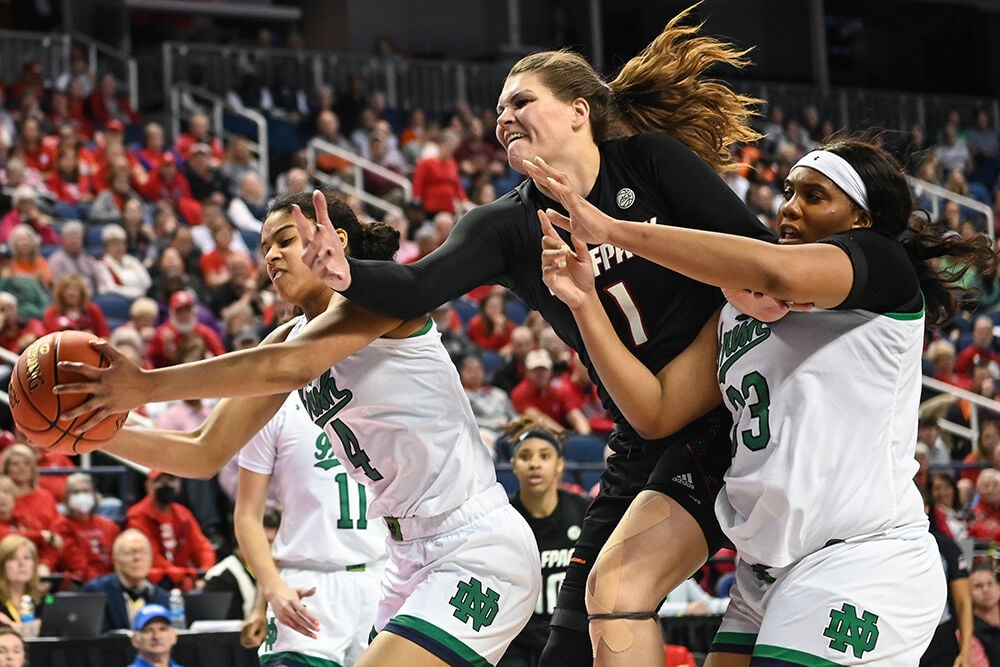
[[685, 480]]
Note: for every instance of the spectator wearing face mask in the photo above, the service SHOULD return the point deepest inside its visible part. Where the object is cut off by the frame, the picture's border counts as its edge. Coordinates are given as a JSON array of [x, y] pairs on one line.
[[180, 549], [87, 534]]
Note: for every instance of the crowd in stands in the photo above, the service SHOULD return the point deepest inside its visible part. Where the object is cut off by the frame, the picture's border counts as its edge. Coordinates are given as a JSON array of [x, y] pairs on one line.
[[107, 225]]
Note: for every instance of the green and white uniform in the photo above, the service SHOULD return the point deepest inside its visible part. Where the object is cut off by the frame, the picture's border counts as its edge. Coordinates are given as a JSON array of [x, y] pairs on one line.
[[463, 572], [325, 540], [837, 566]]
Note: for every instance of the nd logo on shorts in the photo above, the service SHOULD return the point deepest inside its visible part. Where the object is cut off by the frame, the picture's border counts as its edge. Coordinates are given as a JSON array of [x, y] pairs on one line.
[[472, 602], [847, 630], [271, 634]]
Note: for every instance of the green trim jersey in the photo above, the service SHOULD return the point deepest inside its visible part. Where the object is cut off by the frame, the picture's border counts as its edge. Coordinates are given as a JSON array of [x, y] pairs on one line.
[[824, 405], [400, 422], [324, 523]]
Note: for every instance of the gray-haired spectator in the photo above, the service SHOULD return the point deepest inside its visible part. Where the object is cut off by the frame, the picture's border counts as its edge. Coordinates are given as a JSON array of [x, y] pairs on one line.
[[72, 257]]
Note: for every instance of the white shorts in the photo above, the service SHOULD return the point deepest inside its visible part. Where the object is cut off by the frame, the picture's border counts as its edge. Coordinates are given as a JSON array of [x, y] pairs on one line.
[[876, 601], [464, 586], [345, 604]]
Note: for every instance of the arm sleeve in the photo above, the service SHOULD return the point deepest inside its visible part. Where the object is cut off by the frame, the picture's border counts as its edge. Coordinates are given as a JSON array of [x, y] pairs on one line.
[[884, 278], [472, 255]]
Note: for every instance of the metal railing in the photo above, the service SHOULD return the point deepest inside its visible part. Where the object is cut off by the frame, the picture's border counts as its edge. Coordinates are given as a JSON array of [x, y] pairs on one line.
[[52, 53], [936, 193], [359, 165], [186, 99], [970, 432]]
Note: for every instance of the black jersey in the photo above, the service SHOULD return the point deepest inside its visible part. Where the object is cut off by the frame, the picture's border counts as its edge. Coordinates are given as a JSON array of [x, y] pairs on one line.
[[650, 177], [556, 535]]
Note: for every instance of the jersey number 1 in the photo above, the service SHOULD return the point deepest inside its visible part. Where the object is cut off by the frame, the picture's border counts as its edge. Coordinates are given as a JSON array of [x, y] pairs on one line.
[[636, 328]]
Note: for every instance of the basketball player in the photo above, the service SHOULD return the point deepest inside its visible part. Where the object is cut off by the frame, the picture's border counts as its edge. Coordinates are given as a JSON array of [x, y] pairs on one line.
[[837, 566], [555, 517], [326, 548], [463, 572]]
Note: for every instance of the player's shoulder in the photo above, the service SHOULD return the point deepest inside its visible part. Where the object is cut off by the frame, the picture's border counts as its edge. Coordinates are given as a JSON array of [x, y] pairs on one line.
[[644, 144]]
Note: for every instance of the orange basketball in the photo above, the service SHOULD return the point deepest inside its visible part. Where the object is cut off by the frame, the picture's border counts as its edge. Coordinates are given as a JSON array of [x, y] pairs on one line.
[[36, 409]]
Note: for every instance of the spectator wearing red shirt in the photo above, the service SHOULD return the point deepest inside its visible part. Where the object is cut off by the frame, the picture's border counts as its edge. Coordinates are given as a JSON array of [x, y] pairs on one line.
[[180, 549], [436, 182], [89, 535], [166, 182], [72, 309], [52, 482], [579, 390], [980, 350], [15, 334], [46, 541], [215, 263], [941, 354], [490, 329], [182, 323], [106, 103], [199, 132], [536, 396], [31, 148], [35, 508], [153, 146], [71, 186], [26, 212]]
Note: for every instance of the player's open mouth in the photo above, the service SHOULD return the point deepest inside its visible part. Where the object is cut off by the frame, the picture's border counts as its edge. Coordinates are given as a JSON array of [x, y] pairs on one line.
[[511, 138], [788, 234]]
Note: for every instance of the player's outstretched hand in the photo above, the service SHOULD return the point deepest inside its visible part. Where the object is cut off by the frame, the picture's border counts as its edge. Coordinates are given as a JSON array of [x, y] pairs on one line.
[[291, 611], [568, 272], [119, 387], [585, 221], [322, 250], [760, 306]]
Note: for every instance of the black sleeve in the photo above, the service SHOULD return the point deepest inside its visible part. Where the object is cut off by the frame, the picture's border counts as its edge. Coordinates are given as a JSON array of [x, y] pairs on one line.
[[472, 255], [953, 558], [884, 278], [694, 194]]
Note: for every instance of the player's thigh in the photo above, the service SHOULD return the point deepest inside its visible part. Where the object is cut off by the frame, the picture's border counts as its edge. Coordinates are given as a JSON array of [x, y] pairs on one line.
[[391, 649], [655, 547], [727, 660]]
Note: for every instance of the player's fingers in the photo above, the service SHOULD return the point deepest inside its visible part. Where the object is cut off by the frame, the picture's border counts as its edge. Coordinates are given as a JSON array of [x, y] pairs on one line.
[[91, 421], [559, 220], [305, 226], [579, 247], [86, 370], [305, 592]]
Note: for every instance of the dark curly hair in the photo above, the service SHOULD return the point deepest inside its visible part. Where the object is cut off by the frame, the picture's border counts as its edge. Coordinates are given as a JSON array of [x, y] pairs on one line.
[[364, 240]]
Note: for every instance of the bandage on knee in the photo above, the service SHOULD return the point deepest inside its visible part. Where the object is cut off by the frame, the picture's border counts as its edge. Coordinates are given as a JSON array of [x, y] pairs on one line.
[[608, 624]]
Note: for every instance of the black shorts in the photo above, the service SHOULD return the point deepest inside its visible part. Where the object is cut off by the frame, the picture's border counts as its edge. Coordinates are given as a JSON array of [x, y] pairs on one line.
[[688, 466]]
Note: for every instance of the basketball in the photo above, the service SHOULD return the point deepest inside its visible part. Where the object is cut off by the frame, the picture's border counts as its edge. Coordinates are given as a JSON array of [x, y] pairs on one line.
[[36, 409]]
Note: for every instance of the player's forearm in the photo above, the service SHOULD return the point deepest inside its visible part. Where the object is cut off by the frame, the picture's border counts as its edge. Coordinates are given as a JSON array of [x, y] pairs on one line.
[[809, 273], [176, 452], [256, 550]]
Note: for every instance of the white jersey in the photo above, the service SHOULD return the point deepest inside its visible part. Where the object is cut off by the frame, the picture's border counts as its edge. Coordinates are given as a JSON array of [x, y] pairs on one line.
[[399, 420], [324, 522], [824, 406]]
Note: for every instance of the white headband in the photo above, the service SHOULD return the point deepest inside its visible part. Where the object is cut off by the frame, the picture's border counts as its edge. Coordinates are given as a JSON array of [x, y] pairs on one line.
[[840, 171]]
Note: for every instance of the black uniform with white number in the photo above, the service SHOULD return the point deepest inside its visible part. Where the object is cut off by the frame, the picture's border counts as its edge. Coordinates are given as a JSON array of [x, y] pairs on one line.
[[656, 312], [556, 535]]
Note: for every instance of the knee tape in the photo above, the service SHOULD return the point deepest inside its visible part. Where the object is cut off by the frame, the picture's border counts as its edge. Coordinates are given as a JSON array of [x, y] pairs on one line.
[[608, 624]]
